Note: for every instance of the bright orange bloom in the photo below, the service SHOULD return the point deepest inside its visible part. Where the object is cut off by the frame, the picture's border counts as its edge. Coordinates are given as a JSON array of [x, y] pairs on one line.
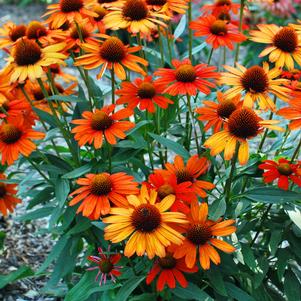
[[69, 11], [8, 199], [217, 113], [190, 172], [98, 190], [135, 16], [143, 93], [112, 54], [243, 124], [103, 122], [284, 44], [200, 234], [282, 170], [15, 139], [10, 33], [101, 12], [169, 7], [293, 113], [218, 32], [170, 271], [186, 78], [56, 71], [221, 5], [169, 186]]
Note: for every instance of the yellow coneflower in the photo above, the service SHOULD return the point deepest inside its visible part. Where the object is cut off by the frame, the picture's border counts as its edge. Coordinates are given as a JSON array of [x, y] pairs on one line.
[[10, 33]]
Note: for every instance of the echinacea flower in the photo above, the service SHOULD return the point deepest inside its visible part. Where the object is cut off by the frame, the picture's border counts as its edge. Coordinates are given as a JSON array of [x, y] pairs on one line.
[[201, 238], [221, 5], [8, 199], [101, 12], [190, 172], [17, 108], [56, 71], [112, 54], [186, 78], [102, 122], [284, 44], [292, 113], [15, 139], [28, 59], [284, 171], [144, 93], [216, 113], [243, 124], [106, 266], [135, 16], [147, 222], [169, 7], [169, 271], [11, 33], [218, 33], [98, 190], [68, 11], [166, 186], [257, 83]]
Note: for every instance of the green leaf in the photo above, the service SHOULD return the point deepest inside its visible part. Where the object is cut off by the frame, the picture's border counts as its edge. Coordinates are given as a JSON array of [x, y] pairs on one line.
[[2, 238], [21, 273], [237, 293], [295, 216], [78, 171], [271, 195], [128, 287], [191, 292], [171, 145], [275, 239], [216, 280], [48, 118], [282, 255], [248, 256], [82, 224], [292, 287], [64, 98], [181, 27], [62, 189], [36, 214], [195, 50], [217, 208]]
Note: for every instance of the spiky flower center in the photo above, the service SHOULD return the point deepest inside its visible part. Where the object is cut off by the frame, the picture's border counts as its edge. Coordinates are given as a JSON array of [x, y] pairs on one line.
[[101, 184], [255, 80], [2, 190], [146, 90], [185, 73], [38, 93], [55, 68], [9, 133], [26, 52], [68, 6], [225, 16], [36, 30], [105, 1], [101, 121], [156, 2], [225, 109], [106, 266], [113, 50], [168, 262], [223, 2], [219, 28], [284, 169], [199, 234], [286, 39], [100, 11], [17, 32], [244, 123], [146, 218], [135, 10], [165, 190], [183, 176]]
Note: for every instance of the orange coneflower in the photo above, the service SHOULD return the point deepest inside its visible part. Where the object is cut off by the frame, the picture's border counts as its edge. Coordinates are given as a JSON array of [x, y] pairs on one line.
[[243, 124], [103, 122], [69, 11], [144, 93], [257, 83], [109, 3], [15, 139], [221, 5], [218, 32], [169, 186], [292, 113], [283, 170], [147, 222], [17, 108], [135, 16], [8, 200], [10, 33], [112, 54], [168, 6], [28, 59], [190, 172], [216, 113], [200, 236], [98, 190], [56, 71], [285, 44], [186, 78], [169, 271], [101, 11]]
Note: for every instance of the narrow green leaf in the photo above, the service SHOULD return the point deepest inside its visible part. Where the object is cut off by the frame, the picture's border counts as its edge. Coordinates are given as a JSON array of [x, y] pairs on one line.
[[292, 287], [78, 171], [191, 292], [237, 293], [248, 256], [128, 287], [64, 98], [22, 272], [217, 208], [62, 189], [36, 214], [181, 27]]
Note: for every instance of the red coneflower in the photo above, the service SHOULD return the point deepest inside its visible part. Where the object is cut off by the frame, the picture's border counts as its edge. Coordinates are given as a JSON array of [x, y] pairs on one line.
[[103, 122], [282, 170], [221, 5], [186, 78], [292, 113], [98, 190]]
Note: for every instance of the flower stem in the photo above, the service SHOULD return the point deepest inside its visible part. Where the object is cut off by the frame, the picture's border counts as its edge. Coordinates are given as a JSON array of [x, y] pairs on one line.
[[210, 56], [242, 6], [230, 179], [38, 170], [190, 31], [296, 152], [113, 85]]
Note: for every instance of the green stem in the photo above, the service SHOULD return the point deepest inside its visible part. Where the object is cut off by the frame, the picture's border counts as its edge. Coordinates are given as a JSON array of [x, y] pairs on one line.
[[242, 5], [161, 46], [210, 56], [38, 170], [230, 179], [190, 31], [113, 85], [296, 152]]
